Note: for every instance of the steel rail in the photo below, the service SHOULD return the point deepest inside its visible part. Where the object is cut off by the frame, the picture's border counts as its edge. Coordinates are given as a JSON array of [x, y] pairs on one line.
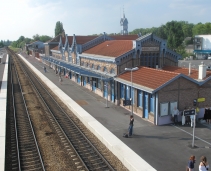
[[30, 123], [78, 129], [14, 115]]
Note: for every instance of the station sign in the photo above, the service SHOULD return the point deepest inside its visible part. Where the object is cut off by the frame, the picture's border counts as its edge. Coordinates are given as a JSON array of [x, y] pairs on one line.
[[201, 100], [189, 112], [150, 49], [126, 102]]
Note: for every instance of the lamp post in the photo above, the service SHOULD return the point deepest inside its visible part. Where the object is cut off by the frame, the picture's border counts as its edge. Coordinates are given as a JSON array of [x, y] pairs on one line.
[[131, 77]]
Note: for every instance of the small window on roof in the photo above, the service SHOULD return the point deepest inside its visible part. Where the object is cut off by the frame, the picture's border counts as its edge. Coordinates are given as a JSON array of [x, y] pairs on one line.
[[92, 66], [112, 71], [98, 67], [105, 69]]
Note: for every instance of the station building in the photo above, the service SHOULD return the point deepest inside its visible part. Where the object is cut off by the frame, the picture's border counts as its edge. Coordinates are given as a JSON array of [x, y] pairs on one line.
[[98, 63], [35, 48]]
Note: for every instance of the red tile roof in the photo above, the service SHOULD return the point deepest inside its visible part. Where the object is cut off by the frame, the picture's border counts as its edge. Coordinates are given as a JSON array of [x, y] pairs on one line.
[[185, 71], [79, 39], [124, 37], [149, 77], [112, 48]]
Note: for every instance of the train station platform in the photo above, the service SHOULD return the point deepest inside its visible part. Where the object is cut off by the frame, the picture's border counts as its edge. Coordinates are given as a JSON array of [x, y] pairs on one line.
[[3, 107], [165, 147]]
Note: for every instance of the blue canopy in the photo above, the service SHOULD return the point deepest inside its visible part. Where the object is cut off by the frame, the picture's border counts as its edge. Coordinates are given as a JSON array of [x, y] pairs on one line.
[[76, 69]]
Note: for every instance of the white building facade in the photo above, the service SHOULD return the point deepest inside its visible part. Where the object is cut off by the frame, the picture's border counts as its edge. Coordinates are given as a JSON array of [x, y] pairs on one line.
[[202, 46]]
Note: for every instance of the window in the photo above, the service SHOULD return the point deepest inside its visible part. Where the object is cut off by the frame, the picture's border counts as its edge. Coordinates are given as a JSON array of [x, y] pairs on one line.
[[152, 103], [88, 80], [127, 93], [140, 95], [98, 67], [112, 71], [92, 66], [105, 69], [122, 91]]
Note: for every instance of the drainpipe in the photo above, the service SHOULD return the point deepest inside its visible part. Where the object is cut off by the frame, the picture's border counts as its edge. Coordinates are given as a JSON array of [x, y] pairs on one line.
[[156, 122]]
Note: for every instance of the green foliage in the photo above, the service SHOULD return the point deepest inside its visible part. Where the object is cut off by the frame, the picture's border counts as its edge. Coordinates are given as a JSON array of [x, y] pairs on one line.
[[36, 37], [15, 49], [59, 28], [1, 44], [201, 29], [5, 43], [45, 38], [175, 35], [181, 50]]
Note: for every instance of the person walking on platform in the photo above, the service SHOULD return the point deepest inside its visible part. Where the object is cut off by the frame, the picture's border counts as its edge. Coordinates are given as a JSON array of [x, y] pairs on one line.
[[191, 163], [203, 166], [175, 113], [60, 79], [44, 69], [130, 129]]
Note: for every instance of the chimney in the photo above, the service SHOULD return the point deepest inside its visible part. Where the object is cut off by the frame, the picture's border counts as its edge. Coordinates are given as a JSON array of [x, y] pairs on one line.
[[202, 71], [189, 69]]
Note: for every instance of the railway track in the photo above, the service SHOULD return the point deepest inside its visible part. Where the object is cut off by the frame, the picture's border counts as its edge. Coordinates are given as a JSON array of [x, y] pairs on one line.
[[81, 151], [24, 147]]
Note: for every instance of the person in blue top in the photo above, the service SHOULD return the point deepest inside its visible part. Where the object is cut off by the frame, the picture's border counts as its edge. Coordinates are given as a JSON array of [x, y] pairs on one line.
[[191, 163]]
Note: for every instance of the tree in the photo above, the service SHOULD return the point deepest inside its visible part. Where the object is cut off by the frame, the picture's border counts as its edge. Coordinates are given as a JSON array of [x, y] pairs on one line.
[[36, 37], [59, 28], [175, 35], [201, 29], [187, 29], [45, 38], [1, 45]]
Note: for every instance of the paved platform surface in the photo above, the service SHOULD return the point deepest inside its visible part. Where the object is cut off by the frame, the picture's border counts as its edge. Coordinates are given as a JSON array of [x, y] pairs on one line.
[[3, 105], [2, 65], [164, 147]]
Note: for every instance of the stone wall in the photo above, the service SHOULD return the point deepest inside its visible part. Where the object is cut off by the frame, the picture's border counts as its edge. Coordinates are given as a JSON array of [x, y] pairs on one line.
[[96, 63]]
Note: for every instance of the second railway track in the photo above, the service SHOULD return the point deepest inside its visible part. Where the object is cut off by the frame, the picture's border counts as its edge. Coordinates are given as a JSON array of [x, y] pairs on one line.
[[75, 145]]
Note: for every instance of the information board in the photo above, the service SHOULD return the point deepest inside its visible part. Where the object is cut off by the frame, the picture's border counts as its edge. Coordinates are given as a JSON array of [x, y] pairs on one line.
[[164, 109], [189, 112]]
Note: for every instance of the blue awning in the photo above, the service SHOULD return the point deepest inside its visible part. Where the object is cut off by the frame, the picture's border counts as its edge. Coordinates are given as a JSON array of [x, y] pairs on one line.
[[202, 51], [76, 69]]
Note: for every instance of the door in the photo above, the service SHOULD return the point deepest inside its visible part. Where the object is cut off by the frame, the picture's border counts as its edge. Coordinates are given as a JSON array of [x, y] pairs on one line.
[[146, 105], [93, 85], [70, 74], [84, 81], [78, 78]]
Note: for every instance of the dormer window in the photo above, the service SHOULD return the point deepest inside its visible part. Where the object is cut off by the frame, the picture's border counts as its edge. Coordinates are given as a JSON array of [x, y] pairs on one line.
[[105, 69]]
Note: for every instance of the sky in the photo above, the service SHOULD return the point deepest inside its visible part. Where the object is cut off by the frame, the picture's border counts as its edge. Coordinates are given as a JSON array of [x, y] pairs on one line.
[[86, 17]]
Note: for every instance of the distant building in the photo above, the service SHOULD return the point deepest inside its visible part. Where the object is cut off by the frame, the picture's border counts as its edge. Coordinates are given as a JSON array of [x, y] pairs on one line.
[[189, 48], [124, 24], [202, 46], [35, 48]]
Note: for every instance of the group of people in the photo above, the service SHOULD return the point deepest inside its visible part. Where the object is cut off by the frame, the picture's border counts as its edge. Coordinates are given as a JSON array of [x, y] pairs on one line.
[[189, 120], [203, 165], [207, 115]]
